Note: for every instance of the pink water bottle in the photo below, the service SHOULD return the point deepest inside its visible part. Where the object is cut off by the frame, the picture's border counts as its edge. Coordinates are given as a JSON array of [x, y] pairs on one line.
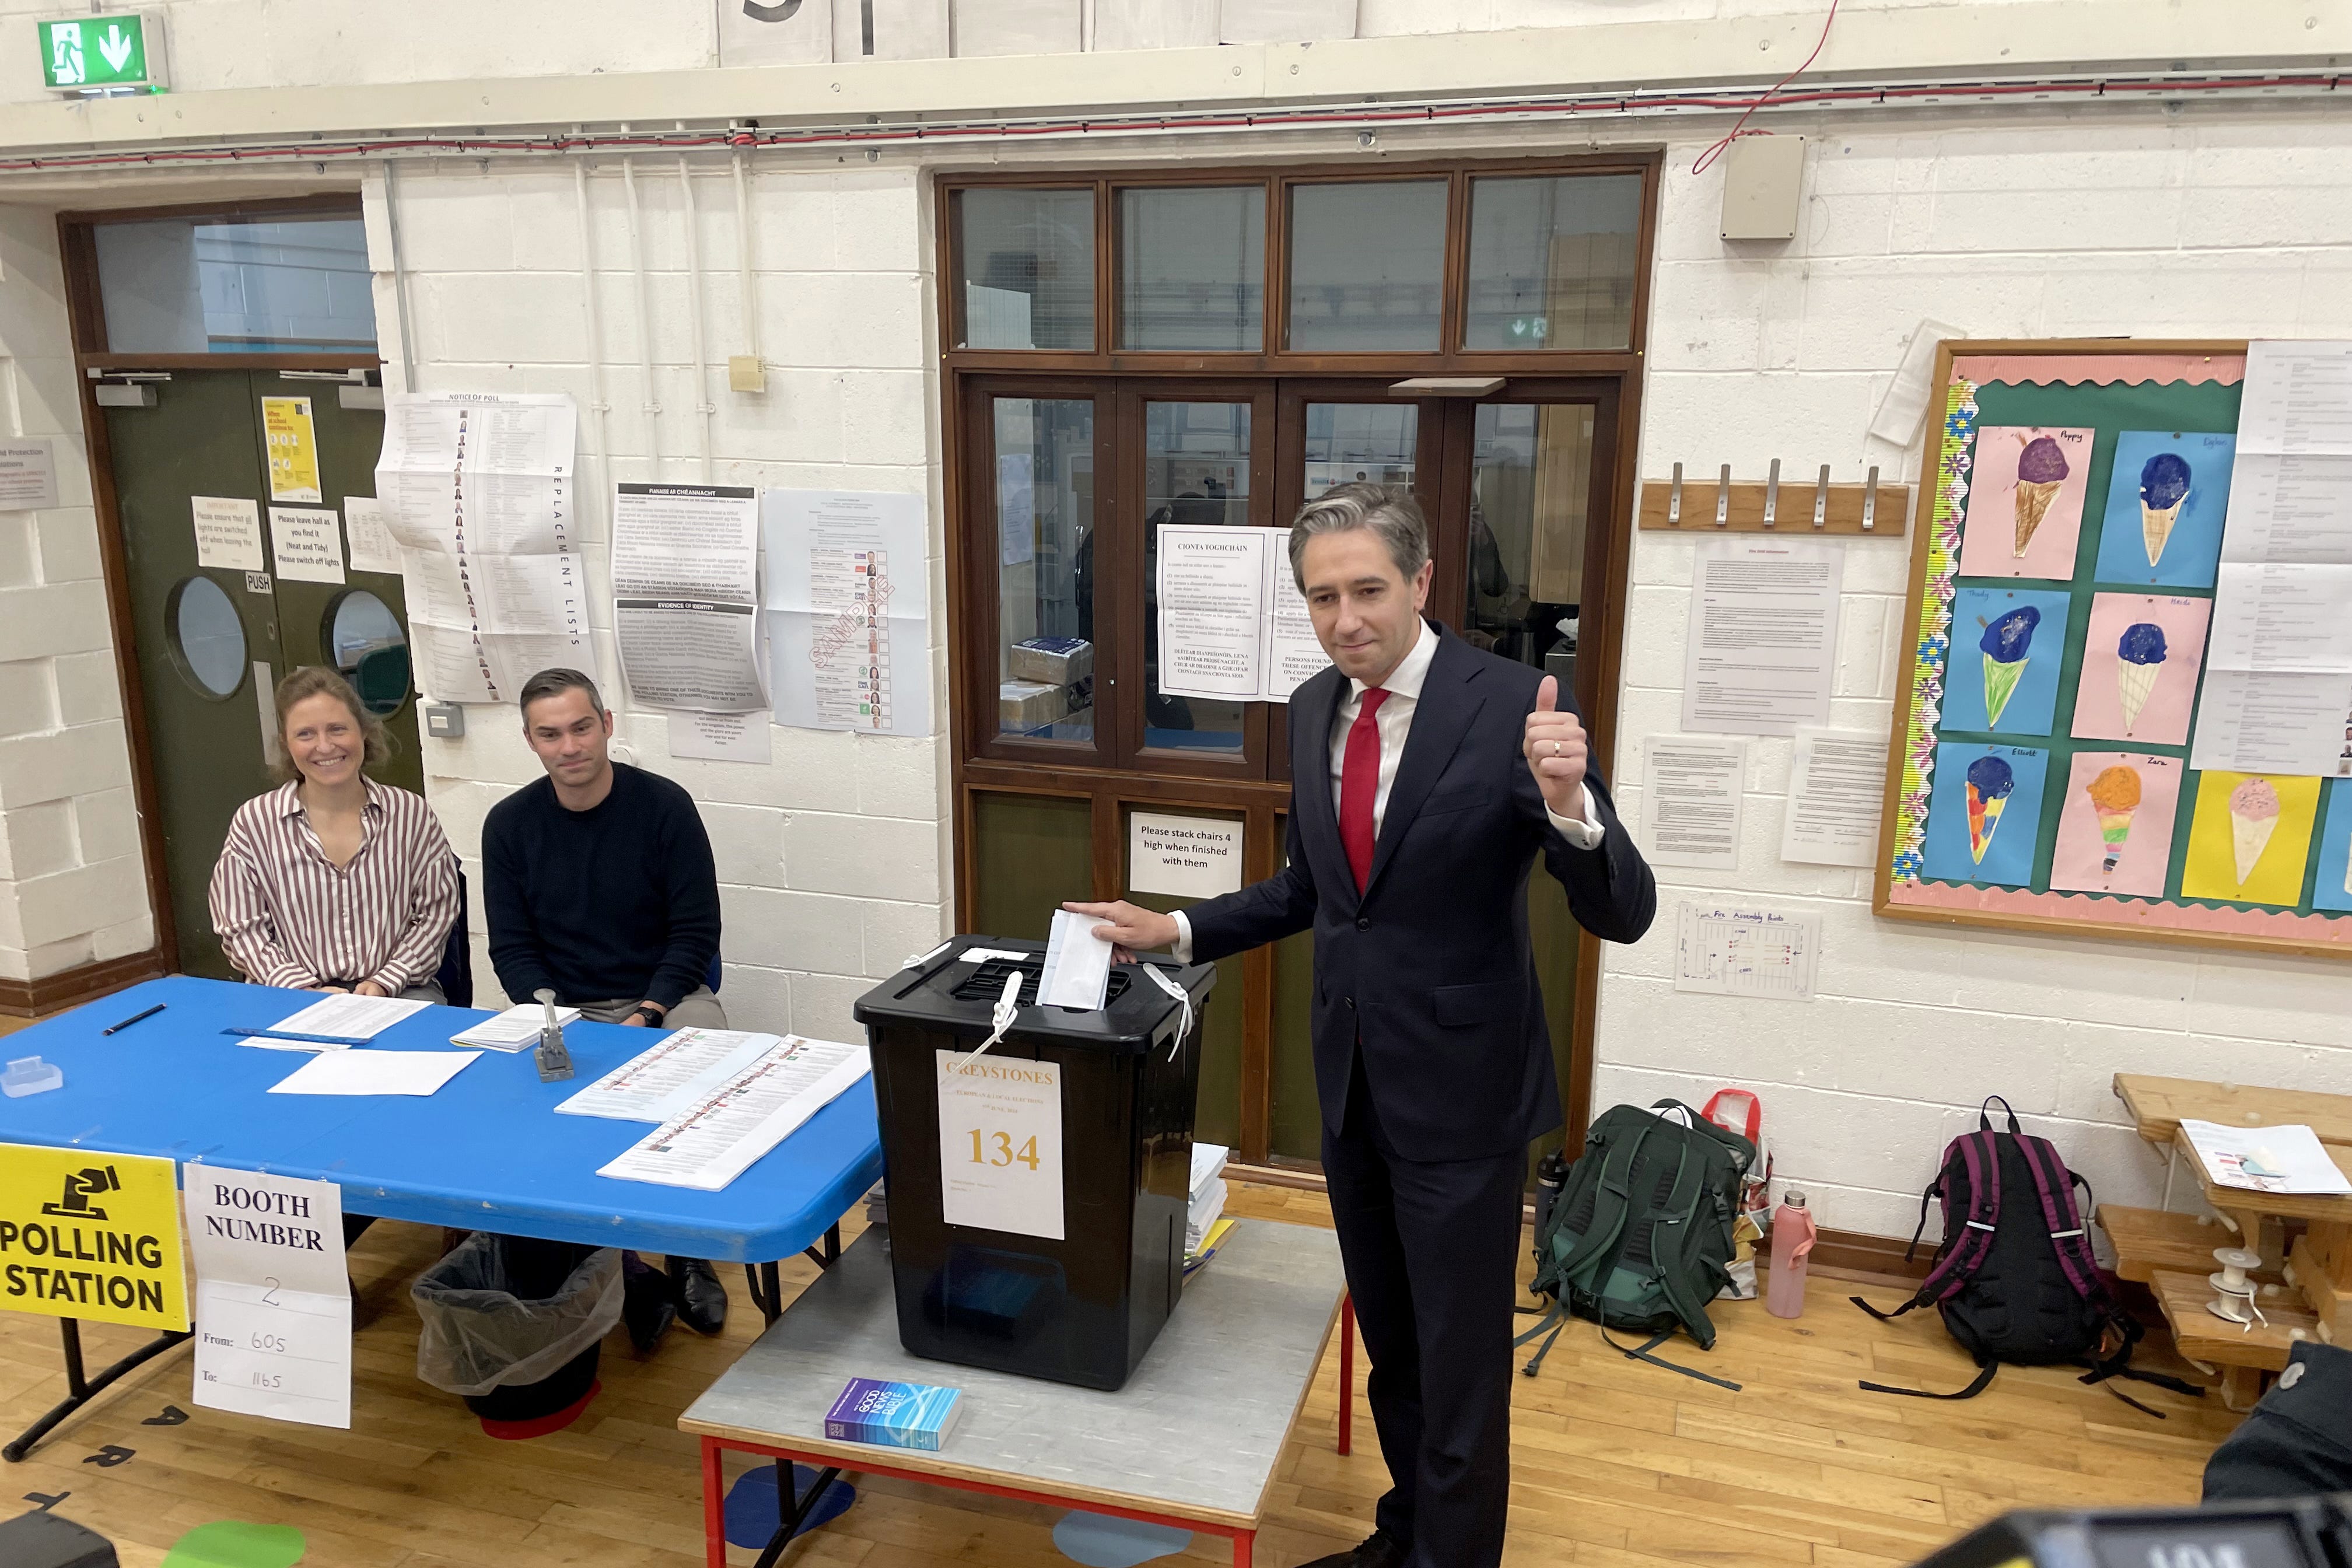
[[1792, 1241]]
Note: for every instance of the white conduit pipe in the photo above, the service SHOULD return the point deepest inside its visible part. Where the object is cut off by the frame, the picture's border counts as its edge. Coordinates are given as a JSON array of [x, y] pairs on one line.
[[651, 405], [743, 259], [399, 275], [599, 405], [703, 407]]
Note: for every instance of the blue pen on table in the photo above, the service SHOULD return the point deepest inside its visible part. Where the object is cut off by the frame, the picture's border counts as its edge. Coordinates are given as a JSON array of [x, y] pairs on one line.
[[310, 1039], [132, 1019]]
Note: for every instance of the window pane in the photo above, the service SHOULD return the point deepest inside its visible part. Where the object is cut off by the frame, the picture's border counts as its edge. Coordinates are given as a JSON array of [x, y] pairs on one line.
[[186, 286], [1367, 265], [1028, 260], [1192, 269], [1350, 441], [1196, 465], [1530, 477], [1045, 543], [1553, 262]]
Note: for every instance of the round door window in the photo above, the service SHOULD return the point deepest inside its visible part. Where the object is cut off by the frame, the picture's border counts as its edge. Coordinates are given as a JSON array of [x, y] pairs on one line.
[[208, 636], [368, 644]]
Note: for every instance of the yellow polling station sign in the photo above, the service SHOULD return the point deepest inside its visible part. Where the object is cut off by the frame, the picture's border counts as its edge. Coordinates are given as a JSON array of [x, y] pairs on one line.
[[91, 1235], [293, 447]]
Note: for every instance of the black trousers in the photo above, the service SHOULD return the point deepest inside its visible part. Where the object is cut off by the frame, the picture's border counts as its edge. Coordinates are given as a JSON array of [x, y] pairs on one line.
[[1432, 1254]]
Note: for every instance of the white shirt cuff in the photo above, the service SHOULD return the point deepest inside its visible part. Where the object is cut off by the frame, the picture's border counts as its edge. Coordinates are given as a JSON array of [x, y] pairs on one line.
[[1585, 835], [1181, 948]]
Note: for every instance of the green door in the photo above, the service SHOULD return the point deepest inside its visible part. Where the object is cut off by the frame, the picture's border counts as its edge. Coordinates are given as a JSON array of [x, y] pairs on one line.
[[211, 641]]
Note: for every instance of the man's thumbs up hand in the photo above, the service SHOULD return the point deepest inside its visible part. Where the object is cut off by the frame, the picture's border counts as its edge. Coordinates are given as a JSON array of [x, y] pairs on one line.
[[1555, 751]]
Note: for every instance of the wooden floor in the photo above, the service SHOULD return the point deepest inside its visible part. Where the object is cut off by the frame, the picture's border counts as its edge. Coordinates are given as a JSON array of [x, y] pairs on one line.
[[1613, 1462]]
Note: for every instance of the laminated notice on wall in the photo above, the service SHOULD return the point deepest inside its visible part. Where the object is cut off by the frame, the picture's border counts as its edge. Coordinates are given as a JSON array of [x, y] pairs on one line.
[[686, 596], [477, 489], [293, 446], [1231, 621]]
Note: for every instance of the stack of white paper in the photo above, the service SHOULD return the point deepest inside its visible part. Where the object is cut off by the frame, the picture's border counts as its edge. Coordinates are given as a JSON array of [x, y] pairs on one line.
[[1209, 1192], [516, 1029], [345, 1017]]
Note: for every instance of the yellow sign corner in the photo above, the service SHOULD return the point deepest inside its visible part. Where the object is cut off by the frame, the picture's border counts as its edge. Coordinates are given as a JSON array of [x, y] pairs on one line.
[[91, 1235]]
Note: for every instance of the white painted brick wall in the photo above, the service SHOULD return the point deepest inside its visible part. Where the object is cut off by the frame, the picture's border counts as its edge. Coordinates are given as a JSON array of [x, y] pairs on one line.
[[2076, 228], [70, 868], [831, 859]]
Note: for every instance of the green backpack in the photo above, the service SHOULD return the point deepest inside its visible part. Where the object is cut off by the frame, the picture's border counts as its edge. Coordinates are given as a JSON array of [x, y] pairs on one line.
[[1639, 1236]]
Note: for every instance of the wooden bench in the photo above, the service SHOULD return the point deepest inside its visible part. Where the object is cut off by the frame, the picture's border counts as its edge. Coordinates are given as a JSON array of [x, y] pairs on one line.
[[2304, 1241]]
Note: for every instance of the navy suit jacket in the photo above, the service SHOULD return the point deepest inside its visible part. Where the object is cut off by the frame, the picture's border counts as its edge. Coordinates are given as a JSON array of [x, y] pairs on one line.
[[1430, 968]]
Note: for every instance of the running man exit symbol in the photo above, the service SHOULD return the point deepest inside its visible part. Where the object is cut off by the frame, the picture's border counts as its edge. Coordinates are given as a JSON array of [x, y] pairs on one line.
[[92, 52]]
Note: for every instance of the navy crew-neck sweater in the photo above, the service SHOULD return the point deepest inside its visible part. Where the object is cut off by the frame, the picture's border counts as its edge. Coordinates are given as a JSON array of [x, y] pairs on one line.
[[616, 902]]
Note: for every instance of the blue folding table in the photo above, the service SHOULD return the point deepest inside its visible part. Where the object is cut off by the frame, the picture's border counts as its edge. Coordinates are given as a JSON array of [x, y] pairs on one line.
[[487, 1152]]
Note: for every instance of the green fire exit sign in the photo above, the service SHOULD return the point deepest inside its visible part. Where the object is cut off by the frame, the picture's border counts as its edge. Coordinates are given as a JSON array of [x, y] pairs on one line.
[[79, 53]]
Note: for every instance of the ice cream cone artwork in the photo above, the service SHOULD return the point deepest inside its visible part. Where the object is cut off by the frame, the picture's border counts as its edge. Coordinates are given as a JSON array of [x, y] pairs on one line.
[[2114, 796], [2163, 488], [1990, 782], [2005, 643], [2253, 817], [2042, 471], [2139, 660]]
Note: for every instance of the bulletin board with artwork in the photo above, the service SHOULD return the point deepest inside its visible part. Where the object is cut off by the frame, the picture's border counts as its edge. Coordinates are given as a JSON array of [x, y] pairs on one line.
[[2062, 590]]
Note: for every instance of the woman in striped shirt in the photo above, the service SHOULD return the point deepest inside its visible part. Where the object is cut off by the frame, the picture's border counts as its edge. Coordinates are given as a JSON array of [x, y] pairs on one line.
[[333, 881]]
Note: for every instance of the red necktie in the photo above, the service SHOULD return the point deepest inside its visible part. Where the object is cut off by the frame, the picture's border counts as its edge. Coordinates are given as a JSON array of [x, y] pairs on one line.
[[1360, 784]]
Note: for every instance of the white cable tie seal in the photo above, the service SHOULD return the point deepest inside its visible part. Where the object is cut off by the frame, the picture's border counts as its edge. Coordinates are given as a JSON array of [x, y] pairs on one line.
[[917, 961], [1183, 999], [1001, 1017]]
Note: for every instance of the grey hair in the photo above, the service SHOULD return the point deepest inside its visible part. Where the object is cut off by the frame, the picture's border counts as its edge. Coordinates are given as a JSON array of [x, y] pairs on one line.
[[555, 682], [1389, 511]]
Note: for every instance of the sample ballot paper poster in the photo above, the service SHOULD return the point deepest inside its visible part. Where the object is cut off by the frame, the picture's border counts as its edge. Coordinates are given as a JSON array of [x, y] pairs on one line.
[[2129, 685], [1001, 1143], [273, 1305], [848, 610], [686, 596], [478, 490]]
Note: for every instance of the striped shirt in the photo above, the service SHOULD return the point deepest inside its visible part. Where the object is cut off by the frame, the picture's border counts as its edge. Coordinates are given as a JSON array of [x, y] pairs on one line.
[[286, 916]]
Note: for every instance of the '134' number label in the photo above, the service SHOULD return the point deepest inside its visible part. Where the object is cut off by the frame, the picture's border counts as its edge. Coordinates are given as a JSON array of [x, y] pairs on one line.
[[996, 1149]]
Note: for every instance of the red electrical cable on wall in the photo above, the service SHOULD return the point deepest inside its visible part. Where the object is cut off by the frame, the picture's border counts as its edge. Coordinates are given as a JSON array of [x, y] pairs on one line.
[[1740, 128]]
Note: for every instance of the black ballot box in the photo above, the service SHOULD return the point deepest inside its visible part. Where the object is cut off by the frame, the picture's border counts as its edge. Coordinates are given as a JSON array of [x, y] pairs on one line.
[[1037, 1193]]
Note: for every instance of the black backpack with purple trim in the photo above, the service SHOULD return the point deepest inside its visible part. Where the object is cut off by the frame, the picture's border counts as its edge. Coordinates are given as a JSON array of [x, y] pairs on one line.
[[2014, 1276]]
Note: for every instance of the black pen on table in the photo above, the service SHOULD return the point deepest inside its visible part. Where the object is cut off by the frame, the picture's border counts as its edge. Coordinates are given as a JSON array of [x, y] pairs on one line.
[[132, 1019]]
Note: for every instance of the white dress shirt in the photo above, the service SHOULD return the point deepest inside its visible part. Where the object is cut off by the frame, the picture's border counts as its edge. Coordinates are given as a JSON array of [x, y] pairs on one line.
[[1394, 721]]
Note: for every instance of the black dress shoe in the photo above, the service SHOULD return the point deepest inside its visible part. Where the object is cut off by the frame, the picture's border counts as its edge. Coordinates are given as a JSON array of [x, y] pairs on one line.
[[701, 1298], [648, 1304], [1379, 1550]]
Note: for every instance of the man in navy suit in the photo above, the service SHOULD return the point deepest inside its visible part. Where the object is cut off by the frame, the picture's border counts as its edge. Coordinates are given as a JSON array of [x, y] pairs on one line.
[[1428, 778]]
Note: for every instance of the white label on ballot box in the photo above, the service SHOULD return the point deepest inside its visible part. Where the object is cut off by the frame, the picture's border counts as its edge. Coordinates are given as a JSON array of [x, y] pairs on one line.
[[273, 1305], [1001, 1145]]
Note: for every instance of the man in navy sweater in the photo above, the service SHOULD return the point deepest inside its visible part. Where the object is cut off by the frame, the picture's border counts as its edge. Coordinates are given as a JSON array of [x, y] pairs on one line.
[[600, 887], [1428, 780]]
